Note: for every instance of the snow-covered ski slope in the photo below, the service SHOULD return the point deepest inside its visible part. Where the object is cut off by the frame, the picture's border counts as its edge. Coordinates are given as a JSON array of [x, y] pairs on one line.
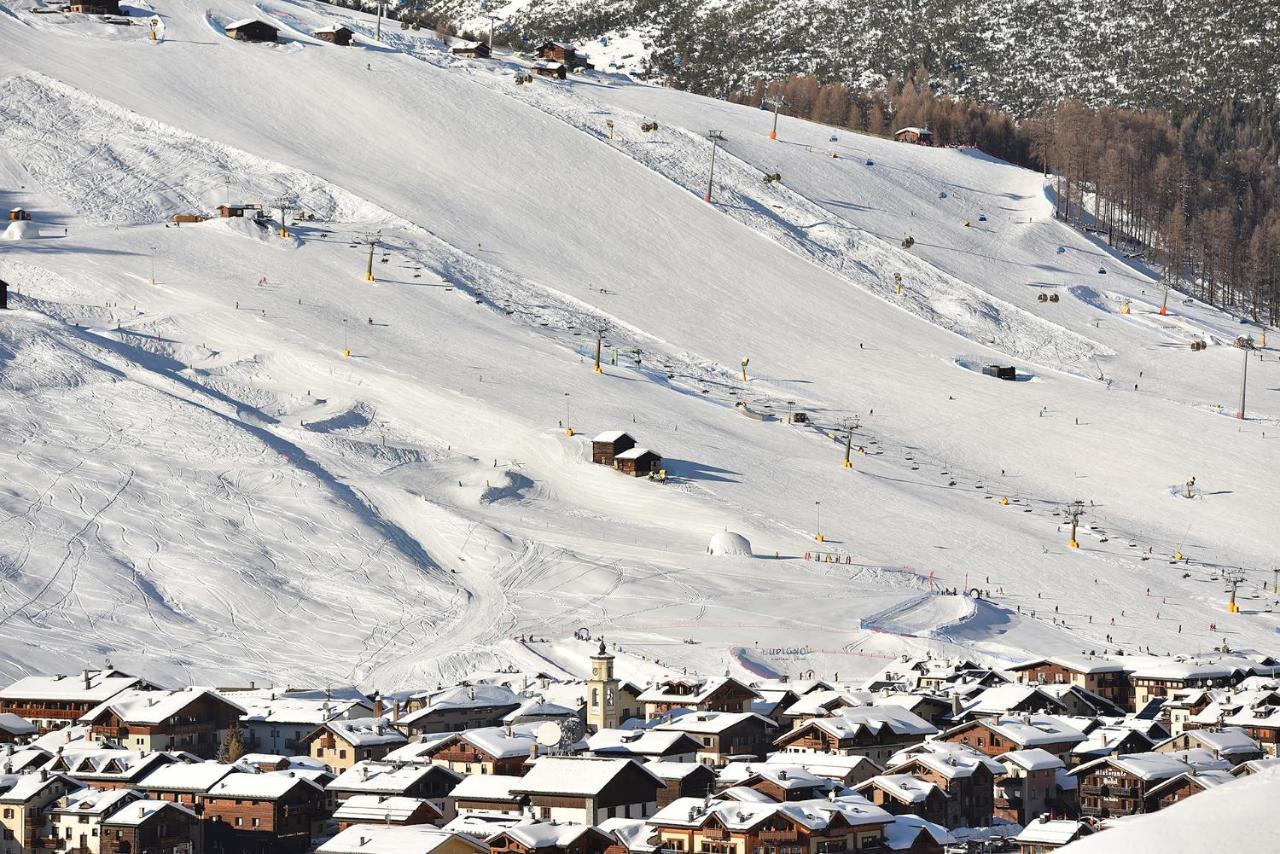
[[195, 482]]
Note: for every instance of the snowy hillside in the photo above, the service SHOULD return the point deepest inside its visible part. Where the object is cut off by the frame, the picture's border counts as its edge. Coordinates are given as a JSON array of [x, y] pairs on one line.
[[199, 484]]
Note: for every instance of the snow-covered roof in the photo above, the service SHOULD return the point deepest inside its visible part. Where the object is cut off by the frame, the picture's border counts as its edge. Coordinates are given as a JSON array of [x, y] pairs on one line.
[[575, 775], [902, 834], [139, 811], [911, 129], [395, 839], [331, 28], [152, 707], [700, 690], [235, 25], [746, 794], [710, 723], [536, 707], [545, 834], [1146, 766], [384, 778], [673, 770], [90, 686], [1226, 742], [856, 721], [1053, 832], [1079, 663], [957, 764], [1032, 759], [97, 802], [379, 808], [481, 695], [612, 436], [830, 765], [20, 788], [366, 732], [904, 787], [1032, 730], [1183, 671], [186, 777], [787, 777], [485, 787], [15, 725], [634, 453], [634, 833], [814, 814], [628, 742], [1004, 698], [306, 711], [265, 786]]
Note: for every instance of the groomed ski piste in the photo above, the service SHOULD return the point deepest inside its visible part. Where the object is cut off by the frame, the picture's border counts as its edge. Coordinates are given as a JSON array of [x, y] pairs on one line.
[[195, 482]]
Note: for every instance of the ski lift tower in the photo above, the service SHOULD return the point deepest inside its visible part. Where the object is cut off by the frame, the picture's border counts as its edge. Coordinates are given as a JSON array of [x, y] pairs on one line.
[[1234, 578], [284, 204], [1075, 510], [371, 238], [716, 138]]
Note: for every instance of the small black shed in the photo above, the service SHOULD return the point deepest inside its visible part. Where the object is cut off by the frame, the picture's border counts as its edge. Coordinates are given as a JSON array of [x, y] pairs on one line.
[[252, 30]]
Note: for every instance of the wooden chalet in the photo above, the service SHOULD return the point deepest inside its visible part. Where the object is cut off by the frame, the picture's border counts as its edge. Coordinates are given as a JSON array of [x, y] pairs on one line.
[[608, 445], [96, 7], [471, 50], [718, 695], [110, 768], [967, 778], [551, 838], [25, 799], [51, 702], [549, 69], [334, 34], [19, 215], [434, 783], [638, 462], [847, 824], [876, 732], [783, 784], [13, 728], [459, 708], [489, 750], [1161, 679], [903, 794], [252, 30], [1045, 835], [914, 135], [342, 743], [995, 736], [725, 736], [154, 827], [589, 790], [558, 52], [1107, 679], [226, 211], [386, 810], [683, 780], [1028, 787], [275, 812], [1118, 785], [1179, 788], [193, 719]]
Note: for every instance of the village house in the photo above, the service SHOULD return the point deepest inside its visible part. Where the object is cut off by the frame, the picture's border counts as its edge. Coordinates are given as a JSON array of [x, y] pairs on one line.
[[773, 702], [485, 795], [608, 445], [1183, 786], [342, 743], [549, 69], [638, 462], [846, 824], [967, 777], [432, 783], [379, 809], [724, 736], [610, 702], [561, 53], [112, 768], [1045, 835], [1004, 700], [334, 34], [903, 794], [1232, 744], [184, 782], [588, 790], [277, 722], [459, 708], [191, 719], [392, 839], [25, 801], [909, 834], [228, 211], [1110, 741], [54, 701], [876, 732], [1077, 702], [781, 784], [536, 710], [275, 812], [1028, 787], [716, 695], [1119, 785], [75, 822], [685, 779], [1159, 679], [1256, 711], [847, 770], [1181, 707], [14, 728], [551, 838], [20, 215], [914, 135], [822, 703], [931, 707], [645, 745], [251, 30], [150, 827], [470, 49], [996, 735], [19, 759], [488, 750], [1107, 679]]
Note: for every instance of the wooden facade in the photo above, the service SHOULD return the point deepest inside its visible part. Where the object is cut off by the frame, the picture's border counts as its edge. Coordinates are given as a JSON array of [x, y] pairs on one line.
[[557, 52], [606, 446], [242, 825], [1113, 685], [915, 136], [340, 36], [639, 465], [459, 754], [549, 69], [253, 31], [197, 728], [165, 831], [697, 783], [972, 800], [774, 834], [472, 50]]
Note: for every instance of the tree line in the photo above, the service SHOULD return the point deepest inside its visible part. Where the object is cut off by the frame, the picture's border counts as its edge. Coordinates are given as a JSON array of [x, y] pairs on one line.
[[1194, 194]]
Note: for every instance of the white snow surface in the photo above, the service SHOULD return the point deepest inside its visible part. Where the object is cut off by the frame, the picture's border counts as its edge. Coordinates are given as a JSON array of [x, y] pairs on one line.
[[197, 483]]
